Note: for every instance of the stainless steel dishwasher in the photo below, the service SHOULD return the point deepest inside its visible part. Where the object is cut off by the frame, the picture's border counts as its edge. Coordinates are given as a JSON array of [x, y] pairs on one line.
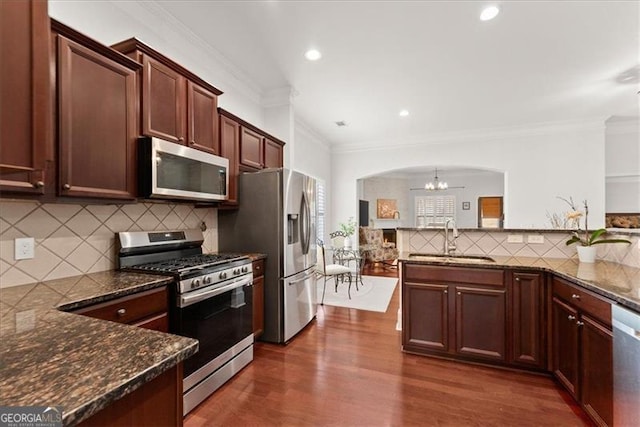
[[626, 367]]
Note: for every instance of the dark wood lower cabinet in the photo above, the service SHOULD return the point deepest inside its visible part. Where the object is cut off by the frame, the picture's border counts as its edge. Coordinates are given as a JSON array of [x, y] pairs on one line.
[[582, 349], [156, 403], [430, 329], [527, 319], [258, 298], [596, 371], [565, 346], [481, 322], [454, 319]]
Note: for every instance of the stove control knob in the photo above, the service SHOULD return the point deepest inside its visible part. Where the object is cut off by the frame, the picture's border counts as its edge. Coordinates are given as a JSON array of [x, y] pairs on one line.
[[195, 283], [222, 275], [206, 280], [245, 269], [236, 271]]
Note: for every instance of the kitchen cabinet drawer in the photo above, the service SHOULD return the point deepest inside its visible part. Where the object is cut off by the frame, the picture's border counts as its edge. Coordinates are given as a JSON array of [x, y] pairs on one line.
[[472, 276], [584, 300], [130, 309]]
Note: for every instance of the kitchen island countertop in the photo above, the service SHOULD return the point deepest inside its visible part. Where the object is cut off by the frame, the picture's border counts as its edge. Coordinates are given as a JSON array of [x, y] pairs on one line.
[[52, 358]]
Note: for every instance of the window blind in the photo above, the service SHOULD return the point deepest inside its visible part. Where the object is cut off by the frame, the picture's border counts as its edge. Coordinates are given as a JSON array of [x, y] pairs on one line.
[[432, 211], [320, 205]]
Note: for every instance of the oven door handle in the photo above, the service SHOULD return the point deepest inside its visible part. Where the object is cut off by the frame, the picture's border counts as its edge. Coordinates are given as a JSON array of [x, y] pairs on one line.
[[187, 300]]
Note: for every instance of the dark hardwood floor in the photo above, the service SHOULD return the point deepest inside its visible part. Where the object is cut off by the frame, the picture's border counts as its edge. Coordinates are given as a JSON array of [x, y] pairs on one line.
[[346, 368]]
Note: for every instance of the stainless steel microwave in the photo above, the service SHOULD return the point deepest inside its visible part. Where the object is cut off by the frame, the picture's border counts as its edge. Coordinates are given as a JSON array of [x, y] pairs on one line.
[[167, 170]]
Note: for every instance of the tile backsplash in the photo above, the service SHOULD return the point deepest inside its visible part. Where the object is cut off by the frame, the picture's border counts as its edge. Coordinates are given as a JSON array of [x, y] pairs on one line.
[[494, 243], [73, 239]]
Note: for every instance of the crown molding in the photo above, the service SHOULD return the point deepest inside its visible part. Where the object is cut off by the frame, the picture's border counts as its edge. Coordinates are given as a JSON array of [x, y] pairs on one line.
[[279, 97], [305, 129], [478, 135], [238, 78]]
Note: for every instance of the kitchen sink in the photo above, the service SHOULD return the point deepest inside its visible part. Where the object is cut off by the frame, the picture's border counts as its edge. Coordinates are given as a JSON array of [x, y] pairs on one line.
[[479, 259]]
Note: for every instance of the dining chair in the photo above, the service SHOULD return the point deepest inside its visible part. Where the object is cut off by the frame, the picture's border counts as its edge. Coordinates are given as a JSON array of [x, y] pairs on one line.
[[336, 271]]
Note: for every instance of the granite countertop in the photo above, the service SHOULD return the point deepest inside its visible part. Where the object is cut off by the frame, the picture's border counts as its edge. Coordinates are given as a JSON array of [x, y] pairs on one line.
[[618, 282], [52, 358]]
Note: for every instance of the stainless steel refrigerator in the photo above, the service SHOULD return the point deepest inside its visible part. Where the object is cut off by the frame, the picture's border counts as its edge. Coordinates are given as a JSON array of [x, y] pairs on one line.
[[277, 217]]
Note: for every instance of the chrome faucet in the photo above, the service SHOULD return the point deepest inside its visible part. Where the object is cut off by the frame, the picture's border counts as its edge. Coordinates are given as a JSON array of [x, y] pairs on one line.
[[450, 247]]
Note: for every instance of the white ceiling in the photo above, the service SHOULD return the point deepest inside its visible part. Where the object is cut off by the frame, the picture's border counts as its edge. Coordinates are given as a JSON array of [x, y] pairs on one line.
[[537, 62]]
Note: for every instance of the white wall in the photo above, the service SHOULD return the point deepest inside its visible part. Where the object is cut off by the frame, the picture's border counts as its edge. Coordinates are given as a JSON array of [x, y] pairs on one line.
[[476, 184], [540, 163], [622, 165], [387, 188]]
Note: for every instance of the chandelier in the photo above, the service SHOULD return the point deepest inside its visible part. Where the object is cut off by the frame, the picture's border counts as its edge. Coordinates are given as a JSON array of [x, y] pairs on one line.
[[436, 184]]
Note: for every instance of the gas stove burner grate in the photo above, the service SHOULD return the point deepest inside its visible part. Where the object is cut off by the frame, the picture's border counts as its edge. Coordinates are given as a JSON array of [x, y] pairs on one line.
[[182, 265]]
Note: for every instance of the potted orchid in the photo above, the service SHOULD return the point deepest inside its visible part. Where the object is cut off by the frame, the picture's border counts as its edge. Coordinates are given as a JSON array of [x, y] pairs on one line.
[[586, 240]]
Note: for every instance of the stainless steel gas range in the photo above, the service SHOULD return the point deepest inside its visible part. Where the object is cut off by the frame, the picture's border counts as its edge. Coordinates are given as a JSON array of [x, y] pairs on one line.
[[211, 301]]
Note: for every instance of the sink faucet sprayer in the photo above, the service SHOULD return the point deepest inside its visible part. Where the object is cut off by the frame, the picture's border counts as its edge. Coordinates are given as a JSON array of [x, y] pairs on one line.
[[450, 247]]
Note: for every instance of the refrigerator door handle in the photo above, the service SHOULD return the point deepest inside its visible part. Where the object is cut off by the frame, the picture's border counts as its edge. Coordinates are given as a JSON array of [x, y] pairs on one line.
[[305, 224], [301, 277]]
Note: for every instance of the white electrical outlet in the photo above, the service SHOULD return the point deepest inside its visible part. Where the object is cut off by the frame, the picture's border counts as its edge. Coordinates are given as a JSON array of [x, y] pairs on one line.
[[24, 248], [535, 238], [515, 238]]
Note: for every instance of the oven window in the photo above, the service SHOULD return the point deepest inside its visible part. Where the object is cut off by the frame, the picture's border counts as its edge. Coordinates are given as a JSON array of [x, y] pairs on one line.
[[181, 173], [218, 323]]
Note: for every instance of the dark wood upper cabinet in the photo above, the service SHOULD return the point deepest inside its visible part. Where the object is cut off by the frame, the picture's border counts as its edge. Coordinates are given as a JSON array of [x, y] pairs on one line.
[[177, 105], [202, 119], [272, 154], [229, 147], [527, 319], [163, 106], [97, 118], [25, 104], [251, 148]]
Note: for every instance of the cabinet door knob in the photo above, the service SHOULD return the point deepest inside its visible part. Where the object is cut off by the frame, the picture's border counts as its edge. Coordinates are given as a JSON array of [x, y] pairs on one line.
[[459, 293], [192, 142], [517, 279], [121, 312], [38, 184], [575, 296], [579, 323], [445, 291], [66, 187], [181, 139], [570, 317]]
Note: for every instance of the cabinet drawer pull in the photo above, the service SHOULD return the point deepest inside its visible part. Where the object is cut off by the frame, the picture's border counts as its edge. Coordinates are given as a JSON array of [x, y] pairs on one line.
[[575, 296], [579, 323], [570, 317], [66, 187], [38, 184], [121, 312]]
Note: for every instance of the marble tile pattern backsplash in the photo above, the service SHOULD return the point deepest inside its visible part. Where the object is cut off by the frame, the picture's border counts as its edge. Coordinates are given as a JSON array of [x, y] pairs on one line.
[[73, 239], [494, 243]]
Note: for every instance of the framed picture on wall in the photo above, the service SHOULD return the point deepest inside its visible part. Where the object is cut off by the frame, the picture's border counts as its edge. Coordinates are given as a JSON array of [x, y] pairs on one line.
[[466, 206], [387, 208]]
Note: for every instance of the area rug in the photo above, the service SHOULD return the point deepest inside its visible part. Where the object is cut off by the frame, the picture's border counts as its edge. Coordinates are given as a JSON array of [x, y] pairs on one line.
[[374, 295]]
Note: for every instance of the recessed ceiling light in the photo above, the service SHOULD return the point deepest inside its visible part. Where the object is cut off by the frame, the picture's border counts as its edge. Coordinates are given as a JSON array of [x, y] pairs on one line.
[[489, 12], [313, 55], [403, 113]]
